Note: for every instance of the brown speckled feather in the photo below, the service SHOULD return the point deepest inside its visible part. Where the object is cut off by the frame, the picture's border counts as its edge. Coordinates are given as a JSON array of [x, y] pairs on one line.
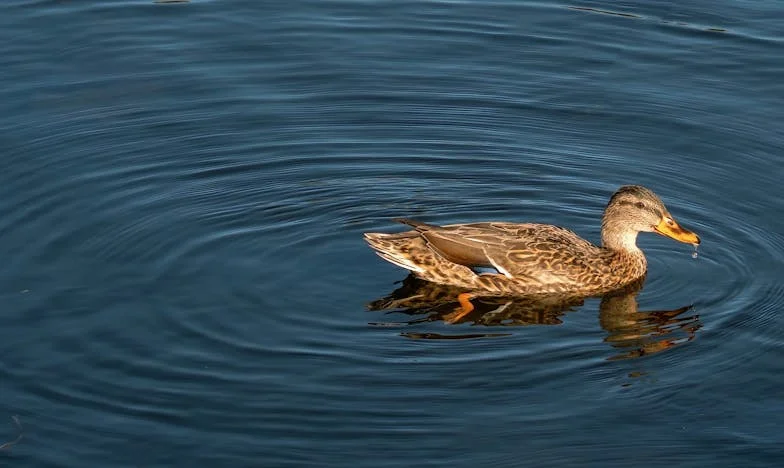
[[535, 258], [530, 258]]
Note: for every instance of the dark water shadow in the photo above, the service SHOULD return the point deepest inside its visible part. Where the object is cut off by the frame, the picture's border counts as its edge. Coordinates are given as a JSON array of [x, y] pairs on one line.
[[631, 333]]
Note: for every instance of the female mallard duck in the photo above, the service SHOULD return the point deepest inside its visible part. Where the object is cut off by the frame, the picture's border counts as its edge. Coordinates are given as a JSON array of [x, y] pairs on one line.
[[535, 258]]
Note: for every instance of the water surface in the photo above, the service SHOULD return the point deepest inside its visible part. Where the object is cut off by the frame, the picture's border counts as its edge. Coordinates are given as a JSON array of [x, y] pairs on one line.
[[184, 189]]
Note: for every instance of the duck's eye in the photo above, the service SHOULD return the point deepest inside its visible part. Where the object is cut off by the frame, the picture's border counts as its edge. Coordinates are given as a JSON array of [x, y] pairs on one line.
[[640, 205]]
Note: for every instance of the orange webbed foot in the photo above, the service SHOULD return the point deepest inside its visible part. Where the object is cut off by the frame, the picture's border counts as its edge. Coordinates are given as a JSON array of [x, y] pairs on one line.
[[465, 308]]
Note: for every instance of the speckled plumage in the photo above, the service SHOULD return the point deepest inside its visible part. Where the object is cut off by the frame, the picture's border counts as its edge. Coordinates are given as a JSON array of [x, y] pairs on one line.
[[533, 258]]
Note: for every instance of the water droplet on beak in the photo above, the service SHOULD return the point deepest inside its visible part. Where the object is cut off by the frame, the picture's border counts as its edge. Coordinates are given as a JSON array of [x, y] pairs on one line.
[[694, 254]]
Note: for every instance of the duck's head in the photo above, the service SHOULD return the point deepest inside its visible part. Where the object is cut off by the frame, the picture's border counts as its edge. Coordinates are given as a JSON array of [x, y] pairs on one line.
[[633, 209]]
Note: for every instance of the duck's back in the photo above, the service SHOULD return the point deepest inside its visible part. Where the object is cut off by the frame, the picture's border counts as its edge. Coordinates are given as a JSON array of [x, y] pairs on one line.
[[539, 253]]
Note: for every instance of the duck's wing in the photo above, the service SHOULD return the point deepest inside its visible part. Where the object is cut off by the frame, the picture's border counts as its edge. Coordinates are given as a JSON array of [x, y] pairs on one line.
[[464, 244], [537, 252]]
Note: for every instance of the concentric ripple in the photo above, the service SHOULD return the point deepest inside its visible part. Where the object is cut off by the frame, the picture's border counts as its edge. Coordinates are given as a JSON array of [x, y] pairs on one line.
[[185, 188]]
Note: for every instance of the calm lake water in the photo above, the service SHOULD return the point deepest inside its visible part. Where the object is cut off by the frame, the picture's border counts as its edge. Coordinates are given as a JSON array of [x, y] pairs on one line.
[[184, 188]]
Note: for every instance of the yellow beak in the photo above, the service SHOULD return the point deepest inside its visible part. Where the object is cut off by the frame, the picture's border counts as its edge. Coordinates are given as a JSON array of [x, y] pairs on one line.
[[668, 227]]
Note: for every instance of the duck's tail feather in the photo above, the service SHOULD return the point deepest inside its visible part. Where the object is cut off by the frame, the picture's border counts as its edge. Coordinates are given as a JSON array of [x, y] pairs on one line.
[[409, 250], [395, 248]]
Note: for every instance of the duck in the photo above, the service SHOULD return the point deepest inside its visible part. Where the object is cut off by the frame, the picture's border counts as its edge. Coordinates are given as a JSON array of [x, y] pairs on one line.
[[519, 259]]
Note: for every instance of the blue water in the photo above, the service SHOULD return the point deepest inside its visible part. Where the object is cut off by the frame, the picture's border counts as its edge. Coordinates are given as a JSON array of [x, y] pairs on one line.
[[184, 189]]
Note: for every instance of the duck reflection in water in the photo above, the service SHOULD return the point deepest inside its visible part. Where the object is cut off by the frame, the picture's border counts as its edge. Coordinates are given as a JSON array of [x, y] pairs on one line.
[[631, 332]]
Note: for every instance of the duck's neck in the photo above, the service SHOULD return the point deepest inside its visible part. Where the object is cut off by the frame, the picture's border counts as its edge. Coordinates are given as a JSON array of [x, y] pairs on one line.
[[617, 237], [623, 242], [625, 259]]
